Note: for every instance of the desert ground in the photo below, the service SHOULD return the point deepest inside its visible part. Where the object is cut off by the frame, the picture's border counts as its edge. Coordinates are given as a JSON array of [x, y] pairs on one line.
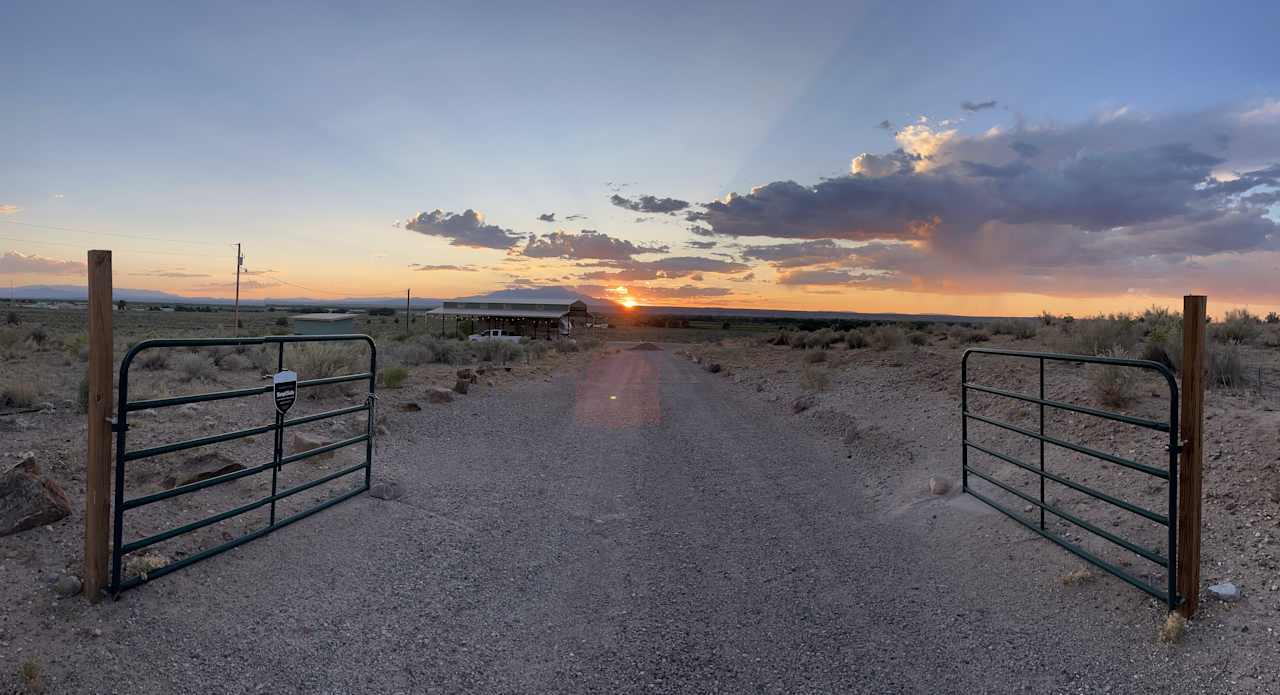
[[736, 509]]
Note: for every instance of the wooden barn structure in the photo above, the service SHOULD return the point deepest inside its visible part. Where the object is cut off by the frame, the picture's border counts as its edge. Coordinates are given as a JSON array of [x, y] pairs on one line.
[[537, 317]]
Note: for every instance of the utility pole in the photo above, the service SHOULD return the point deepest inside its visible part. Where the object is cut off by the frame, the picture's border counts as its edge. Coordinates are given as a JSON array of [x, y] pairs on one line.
[[407, 313], [239, 263]]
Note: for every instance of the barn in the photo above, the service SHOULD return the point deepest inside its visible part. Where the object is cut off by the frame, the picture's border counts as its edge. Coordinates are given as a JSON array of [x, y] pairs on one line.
[[323, 324], [534, 317]]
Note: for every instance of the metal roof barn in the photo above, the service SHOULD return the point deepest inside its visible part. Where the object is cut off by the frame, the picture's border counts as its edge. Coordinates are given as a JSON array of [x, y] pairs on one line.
[[324, 324], [535, 317]]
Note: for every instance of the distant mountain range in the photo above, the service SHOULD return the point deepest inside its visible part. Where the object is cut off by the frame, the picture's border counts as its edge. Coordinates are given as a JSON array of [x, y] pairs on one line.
[[72, 293]]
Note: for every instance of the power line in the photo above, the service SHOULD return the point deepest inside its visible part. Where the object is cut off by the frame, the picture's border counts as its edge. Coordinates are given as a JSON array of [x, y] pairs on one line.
[[113, 234], [83, 247]]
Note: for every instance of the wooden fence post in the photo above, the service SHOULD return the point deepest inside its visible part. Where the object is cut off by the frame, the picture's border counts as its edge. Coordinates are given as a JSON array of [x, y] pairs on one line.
[[97, 496], [1189, 464]]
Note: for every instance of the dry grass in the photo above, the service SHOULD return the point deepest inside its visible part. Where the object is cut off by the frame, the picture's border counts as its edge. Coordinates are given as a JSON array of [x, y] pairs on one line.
[[153, 359], [394, 377], [1079, 575], [884, 338], [855, 339], [193, 367], [20, 395], [1226, 367], [1172, 629], [141, 565], [814, 356], [815, 379], [31, 675], [235, 362]]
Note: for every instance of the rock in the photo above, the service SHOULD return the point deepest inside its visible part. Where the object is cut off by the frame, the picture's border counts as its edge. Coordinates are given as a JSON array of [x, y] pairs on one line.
[[435, 394], [304, 442], [713, 367], [803, 403], [203, 467], [410, 407], [1225, 591], [462, 386], [28, 500], [387, 490], [939, 486], [67, 586]]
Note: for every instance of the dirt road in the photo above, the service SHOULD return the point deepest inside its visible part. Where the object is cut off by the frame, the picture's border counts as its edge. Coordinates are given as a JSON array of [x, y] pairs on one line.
[[637, 527]]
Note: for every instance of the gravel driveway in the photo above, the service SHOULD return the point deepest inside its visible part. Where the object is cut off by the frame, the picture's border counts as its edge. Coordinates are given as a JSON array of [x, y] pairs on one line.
[[635, 527]]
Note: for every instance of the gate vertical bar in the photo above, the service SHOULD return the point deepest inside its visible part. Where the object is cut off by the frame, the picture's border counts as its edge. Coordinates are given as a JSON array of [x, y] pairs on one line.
[[1042, 443], [277, 453], [97, 496], [373, 399], [964, 422], [1192, 446]]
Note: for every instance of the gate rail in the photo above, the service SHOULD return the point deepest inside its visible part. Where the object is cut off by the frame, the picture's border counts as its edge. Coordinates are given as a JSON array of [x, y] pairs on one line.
[[120, 426], [1169, 560]]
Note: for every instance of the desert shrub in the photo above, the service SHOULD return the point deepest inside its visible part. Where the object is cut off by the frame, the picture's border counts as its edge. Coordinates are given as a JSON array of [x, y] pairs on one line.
[[445, 351], [1047, 319], [1272, 318], [918, 338], [37, 334], [1158, 352], [537, 349], [499, 351], [235, 362], [855, 339], [884, 338], [1099, 334], [9, 337], [193, 367], [1226, 366], [76, 347], [589, 343], [18, 395], [1237, 326], [566, 345], [966, 335], [1114, 385], [321, 360], [1020, 329], [1272, 337], [822, 339], [153, 359], [814, 356], [394, 377], [798, 339], [779, 338], [11, 318], [283, 322], [814, 379]]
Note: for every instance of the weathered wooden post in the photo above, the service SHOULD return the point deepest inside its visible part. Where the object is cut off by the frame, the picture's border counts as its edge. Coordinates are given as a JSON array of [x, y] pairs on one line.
[[97, 496], [1194, 320]]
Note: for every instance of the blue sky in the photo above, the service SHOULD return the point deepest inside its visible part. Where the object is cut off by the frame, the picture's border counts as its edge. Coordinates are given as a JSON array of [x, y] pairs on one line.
[[306, 130]]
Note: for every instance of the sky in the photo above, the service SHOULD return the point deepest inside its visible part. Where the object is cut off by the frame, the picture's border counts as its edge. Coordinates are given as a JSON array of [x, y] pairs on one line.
[[969, 158]]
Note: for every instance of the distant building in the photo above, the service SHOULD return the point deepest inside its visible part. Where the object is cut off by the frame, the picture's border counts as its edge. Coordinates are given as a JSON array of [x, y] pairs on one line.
[[535, 317], [323, 324]]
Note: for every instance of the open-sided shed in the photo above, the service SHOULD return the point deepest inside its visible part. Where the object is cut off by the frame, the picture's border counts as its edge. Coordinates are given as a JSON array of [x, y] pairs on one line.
[[537, 317]]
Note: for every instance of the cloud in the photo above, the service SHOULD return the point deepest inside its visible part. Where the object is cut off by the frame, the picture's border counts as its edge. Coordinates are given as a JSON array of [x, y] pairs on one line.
[[18, 263], [266, 271], [1088, 208], [465, 229], [9, 209], [244, 285], [174, 274], [703, 245], [795, 255], [978, 106], [587, 244], [682, 292], [571, 218], [749, 277], [547, 217], [671, 267], [459, 268], [884, 125], [648, 203]]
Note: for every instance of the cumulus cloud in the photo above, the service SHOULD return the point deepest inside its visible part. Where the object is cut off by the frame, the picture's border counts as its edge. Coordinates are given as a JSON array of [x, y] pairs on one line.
[[9, 209], [547, 217], [703, 245], [459, 268], [1085, 208], [648, 203], [683, 292], [18, 263], [977, 106], [465, 229], [585, 245]]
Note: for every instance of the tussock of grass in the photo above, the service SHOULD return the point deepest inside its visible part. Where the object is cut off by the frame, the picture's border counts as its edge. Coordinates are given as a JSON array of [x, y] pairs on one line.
[[884, 338], [918, 339], [1172, 629], [394, 377], [1237, 326], [20, 395], [1226, 367], [815, 356], [193, 367], [814, 379], [31, 675], [855, 339], [141, 565], [1114, 385], [1080, 575]]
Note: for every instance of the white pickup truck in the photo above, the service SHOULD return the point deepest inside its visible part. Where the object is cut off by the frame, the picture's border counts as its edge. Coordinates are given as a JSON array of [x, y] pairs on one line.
[[494, 334]]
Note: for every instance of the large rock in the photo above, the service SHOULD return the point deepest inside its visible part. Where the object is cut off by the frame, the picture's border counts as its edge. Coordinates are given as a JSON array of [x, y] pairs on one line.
[[386, 490], [803, 403], [939, 486], [435, 394], [304, 442], [28, 500], [201, 467], [1225, 591]]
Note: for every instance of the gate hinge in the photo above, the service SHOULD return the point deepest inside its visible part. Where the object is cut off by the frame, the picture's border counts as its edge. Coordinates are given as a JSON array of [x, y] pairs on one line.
[[116, 426]]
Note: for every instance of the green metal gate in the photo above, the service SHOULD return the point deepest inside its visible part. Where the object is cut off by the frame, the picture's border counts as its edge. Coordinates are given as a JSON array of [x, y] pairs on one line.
[[120, 547], [1168, 559]]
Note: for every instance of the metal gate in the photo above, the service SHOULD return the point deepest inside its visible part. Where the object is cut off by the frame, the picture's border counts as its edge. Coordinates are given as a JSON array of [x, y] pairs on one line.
[[120, 547], [1169, 559]]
